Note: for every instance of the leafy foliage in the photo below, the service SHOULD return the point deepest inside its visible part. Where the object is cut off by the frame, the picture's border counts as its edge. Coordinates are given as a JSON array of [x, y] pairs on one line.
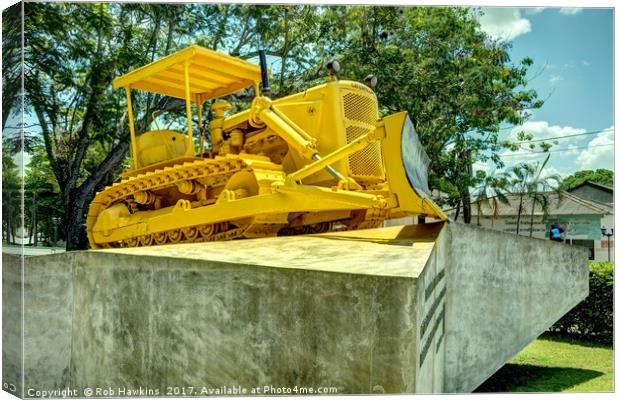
[[42, 201], [11, 197], [72, 53], [529, 183], [602, 176], [593, 318], [11, 60], [492, 191], [458, 85]]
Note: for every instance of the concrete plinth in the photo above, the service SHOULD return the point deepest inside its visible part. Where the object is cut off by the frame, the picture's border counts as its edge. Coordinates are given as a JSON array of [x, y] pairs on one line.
[[414, 309]]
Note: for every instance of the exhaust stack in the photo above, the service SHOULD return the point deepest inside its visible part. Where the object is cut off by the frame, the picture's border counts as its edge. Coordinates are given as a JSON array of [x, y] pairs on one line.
[[264, 73]]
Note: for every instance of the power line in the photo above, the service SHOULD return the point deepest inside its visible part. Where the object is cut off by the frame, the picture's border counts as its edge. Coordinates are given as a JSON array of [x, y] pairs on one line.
[[563, 137], [554, 151]]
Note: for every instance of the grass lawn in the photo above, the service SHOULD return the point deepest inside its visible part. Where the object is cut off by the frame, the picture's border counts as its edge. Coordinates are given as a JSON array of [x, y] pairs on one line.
[[553, 364]]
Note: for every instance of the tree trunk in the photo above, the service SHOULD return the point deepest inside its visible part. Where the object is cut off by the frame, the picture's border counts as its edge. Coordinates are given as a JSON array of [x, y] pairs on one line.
[[33, 222], [532, 219], [13, 230], [466, 199], [9, 223], [519, 214], [465, 196], [76, 221]]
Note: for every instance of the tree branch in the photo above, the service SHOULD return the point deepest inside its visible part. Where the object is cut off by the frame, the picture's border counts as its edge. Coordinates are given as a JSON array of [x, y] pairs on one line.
[[48, 144]]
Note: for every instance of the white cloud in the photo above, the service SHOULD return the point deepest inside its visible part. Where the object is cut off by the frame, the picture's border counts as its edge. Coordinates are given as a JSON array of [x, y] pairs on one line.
[[542, 130], [533, 10], [570, 64], [549, 171], [555, 78], [571, 157], [586, 63], [599, 153], [570, 10], [504, 23], [512, 158], [571, 150]]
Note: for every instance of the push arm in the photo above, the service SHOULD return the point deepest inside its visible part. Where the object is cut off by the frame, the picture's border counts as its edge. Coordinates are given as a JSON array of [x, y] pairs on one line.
[[265, 113]]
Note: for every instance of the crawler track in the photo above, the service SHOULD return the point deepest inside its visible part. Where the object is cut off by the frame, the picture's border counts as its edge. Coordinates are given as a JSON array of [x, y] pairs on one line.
[[209, 172]]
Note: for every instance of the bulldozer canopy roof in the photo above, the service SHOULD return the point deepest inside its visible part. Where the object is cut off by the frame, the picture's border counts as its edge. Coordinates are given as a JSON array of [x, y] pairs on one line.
[[211, 74]]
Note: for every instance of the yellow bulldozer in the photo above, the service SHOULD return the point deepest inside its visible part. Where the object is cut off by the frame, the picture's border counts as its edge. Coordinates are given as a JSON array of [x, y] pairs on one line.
[[315, 161]]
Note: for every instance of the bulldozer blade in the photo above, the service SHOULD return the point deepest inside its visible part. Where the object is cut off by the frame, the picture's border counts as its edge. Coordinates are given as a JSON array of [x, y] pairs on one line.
[[406, 167]]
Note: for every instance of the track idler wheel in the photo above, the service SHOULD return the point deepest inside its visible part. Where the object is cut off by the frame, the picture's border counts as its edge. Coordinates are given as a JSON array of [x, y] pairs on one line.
[[131, 242], [160, 237], [146, 240], [190, 233], [206, 231], [174, 236]]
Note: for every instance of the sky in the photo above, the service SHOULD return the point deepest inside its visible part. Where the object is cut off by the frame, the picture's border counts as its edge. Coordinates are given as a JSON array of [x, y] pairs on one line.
[[572, 50]]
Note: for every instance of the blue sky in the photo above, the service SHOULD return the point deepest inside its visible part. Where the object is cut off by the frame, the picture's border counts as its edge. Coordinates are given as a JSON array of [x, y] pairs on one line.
[[572, 50]]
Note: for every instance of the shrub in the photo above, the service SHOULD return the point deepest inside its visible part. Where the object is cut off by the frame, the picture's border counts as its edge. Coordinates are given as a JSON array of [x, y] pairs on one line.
[[593, 317]]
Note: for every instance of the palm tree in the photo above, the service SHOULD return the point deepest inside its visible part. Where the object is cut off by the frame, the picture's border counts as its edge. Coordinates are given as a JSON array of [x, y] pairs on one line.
[[540, 194], [491, 192], [528, 182]]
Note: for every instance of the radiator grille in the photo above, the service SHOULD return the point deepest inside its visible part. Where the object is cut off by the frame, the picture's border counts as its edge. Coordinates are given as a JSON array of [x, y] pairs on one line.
[[360, 108], [361, 114]]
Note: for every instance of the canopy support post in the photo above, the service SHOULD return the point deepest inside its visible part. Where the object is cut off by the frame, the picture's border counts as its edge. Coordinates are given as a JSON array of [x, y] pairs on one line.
[[188, 109], [132, 132], [199, 102]]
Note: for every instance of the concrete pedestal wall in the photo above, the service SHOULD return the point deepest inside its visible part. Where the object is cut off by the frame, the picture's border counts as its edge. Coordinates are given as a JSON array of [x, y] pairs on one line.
[[503, 291], [433, 308]]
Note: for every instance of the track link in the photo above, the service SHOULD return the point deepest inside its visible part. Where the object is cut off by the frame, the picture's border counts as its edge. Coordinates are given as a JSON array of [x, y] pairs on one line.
[[216, 171]]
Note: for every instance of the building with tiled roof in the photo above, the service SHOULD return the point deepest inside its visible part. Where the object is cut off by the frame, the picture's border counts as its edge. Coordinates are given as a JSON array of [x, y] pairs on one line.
[[581, 218]]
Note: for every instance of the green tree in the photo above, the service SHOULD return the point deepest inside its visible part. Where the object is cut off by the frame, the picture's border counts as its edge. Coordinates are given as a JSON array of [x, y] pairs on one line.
[[602, 176], [11, 59], [290, 34], [72, 53], [492, 191], [457, 84], [11, 195], [528, 183], [434, 62], [42, 198]]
